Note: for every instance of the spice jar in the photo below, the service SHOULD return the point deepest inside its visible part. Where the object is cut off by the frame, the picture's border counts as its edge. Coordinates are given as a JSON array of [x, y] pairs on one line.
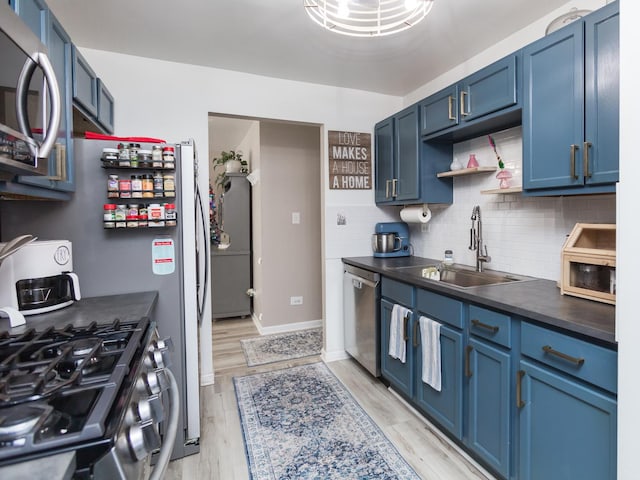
[[124, 185], [168, 157], [112, 186], [109, 212], [147, 186], [144, 159], [109, 157], [143, 216], [156, 156], [156, 215], [121, 216], [169, 185], [136, 186], [170, 214], [158, 184], [124, 159], [132, 216], [133, 154]]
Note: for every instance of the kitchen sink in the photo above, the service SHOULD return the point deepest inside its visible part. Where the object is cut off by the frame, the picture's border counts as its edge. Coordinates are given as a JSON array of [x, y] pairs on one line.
[[462, 276]]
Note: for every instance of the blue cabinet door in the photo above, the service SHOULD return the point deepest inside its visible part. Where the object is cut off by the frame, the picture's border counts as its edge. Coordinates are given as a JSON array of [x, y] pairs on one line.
[[489, 90], [85, 85], [407, 150], [439, 111], [567, 430], [61, 171], [488, 370], [445, 406], [400, 375], [553, 112], [384, 160], [34, 14], [602, 94], [106, 108]]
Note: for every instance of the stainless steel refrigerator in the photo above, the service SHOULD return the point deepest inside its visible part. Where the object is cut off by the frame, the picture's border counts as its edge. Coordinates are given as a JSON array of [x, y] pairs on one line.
[[231, 258], [120, 260]]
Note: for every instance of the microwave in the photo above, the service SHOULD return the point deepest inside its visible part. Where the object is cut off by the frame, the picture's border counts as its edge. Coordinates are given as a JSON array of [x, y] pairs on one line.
[[30, 102]]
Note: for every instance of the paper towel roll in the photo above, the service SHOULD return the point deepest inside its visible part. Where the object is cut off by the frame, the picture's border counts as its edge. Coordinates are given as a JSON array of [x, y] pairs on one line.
[[415, 214]]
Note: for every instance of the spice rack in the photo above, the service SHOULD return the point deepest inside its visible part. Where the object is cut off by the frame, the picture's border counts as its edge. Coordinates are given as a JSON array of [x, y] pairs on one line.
[[141, 189]]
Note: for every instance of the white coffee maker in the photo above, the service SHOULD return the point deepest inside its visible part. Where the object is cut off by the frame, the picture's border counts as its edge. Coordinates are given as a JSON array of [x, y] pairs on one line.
[[37, 278]]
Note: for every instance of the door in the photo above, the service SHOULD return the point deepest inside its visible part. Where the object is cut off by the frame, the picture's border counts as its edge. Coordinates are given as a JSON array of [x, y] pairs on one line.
[[384, 160], [602, 94], [567, 430], [553, 109], [488, 369], [439, 111], [445, 406], [407, 154], [399, 374], [489, 90]]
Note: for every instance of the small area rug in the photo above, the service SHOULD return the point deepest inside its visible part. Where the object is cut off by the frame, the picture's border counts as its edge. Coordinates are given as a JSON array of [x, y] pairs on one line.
[[301, 422], [282, 346]]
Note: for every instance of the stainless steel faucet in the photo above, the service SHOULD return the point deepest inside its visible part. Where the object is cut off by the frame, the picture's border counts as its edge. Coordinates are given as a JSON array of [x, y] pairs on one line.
[[475, 242]]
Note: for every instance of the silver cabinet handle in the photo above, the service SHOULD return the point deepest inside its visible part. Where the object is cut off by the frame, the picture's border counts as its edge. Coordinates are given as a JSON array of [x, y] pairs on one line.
[[585, 158], [573, 149], [463, 95], [451, 117]]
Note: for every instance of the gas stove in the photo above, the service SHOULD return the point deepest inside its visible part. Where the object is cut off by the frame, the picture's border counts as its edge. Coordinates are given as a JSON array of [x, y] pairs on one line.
[[90, 389]]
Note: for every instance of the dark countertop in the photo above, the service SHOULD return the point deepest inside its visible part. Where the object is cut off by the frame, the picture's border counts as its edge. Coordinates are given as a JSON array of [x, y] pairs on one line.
[[126, 307], [537, 299]]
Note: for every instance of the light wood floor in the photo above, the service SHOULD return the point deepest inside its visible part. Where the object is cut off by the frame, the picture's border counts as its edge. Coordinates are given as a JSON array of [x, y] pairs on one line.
[[222, 454]]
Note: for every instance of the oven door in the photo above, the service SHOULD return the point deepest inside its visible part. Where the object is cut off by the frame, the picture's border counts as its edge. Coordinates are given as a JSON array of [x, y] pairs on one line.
[[30, 102]]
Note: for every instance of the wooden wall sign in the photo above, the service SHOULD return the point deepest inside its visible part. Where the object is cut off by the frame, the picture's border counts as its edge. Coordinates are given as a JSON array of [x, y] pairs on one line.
[[349, 160]]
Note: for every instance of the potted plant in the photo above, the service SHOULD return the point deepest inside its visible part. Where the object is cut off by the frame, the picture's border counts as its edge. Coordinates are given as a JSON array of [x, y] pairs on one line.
[[232, 162]]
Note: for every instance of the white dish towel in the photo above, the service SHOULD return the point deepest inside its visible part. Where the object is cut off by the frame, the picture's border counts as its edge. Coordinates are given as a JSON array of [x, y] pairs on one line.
[[397, 343], [431, 358]]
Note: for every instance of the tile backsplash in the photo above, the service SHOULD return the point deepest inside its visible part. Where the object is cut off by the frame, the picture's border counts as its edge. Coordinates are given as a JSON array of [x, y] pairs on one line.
[[523, 235]]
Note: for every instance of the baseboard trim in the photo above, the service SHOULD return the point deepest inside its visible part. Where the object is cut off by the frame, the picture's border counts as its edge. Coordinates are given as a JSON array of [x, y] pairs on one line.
[[288, 327], [208, 379], [334, 356], [436, 430]]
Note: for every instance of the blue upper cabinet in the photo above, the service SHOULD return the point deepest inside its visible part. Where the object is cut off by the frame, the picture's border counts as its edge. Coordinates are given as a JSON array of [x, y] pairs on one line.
[[439, 111], [34, 14], [484, 101], [85, 85], [406, 167], [384, 160], [106, 108], [570, 112]]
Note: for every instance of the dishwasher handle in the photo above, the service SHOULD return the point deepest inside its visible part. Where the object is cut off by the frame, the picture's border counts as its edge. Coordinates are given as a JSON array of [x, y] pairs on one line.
[[358, 282]]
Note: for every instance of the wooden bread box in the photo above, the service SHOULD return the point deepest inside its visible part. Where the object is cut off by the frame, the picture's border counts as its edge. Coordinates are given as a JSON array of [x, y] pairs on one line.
[[589, 262]]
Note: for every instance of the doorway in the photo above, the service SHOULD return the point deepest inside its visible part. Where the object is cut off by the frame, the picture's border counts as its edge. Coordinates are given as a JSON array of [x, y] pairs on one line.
[[284, 161]]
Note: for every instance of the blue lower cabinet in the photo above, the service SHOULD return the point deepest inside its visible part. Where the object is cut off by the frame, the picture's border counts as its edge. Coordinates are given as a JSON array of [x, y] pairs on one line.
[[445, 406], [567, 429], [488, 371], [399, 374]]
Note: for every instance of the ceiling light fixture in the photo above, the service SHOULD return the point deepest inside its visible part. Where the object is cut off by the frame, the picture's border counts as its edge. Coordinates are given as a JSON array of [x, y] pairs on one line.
[[367, 18]]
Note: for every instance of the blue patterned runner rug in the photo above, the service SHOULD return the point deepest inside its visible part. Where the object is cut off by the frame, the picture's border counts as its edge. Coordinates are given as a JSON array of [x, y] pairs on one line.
[[301, 422], [282, 346]]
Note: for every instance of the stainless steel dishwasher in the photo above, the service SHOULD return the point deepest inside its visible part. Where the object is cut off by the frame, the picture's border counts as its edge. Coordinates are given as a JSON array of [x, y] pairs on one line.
[[361, 326]]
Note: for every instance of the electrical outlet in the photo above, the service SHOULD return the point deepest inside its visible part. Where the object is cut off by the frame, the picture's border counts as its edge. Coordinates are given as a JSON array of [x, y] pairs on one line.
[[296, 301]]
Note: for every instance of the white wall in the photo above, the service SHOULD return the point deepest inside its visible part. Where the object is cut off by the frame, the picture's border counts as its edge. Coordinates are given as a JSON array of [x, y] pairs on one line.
[[523, 234], [173, 101], [628, 261]]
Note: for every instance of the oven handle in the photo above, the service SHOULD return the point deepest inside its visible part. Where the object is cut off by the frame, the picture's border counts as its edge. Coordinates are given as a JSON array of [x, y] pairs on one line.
[[172, 429]]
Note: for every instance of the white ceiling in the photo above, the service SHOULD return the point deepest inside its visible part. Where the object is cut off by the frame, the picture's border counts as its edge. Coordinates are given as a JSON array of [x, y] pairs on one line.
[[276, 38]]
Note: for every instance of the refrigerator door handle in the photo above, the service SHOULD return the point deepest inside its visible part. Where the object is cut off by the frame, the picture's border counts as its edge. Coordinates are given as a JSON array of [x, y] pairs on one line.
[[205, 241]]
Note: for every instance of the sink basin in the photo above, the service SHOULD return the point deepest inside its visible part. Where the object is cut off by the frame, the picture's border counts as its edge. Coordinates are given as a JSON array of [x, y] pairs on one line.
[[462, 276]]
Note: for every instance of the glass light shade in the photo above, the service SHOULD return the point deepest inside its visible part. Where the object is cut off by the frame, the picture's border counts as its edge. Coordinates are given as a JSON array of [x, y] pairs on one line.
[[367, 18]]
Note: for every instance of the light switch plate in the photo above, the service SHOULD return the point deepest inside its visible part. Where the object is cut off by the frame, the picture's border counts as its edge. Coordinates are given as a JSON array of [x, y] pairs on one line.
[[295, 218]]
